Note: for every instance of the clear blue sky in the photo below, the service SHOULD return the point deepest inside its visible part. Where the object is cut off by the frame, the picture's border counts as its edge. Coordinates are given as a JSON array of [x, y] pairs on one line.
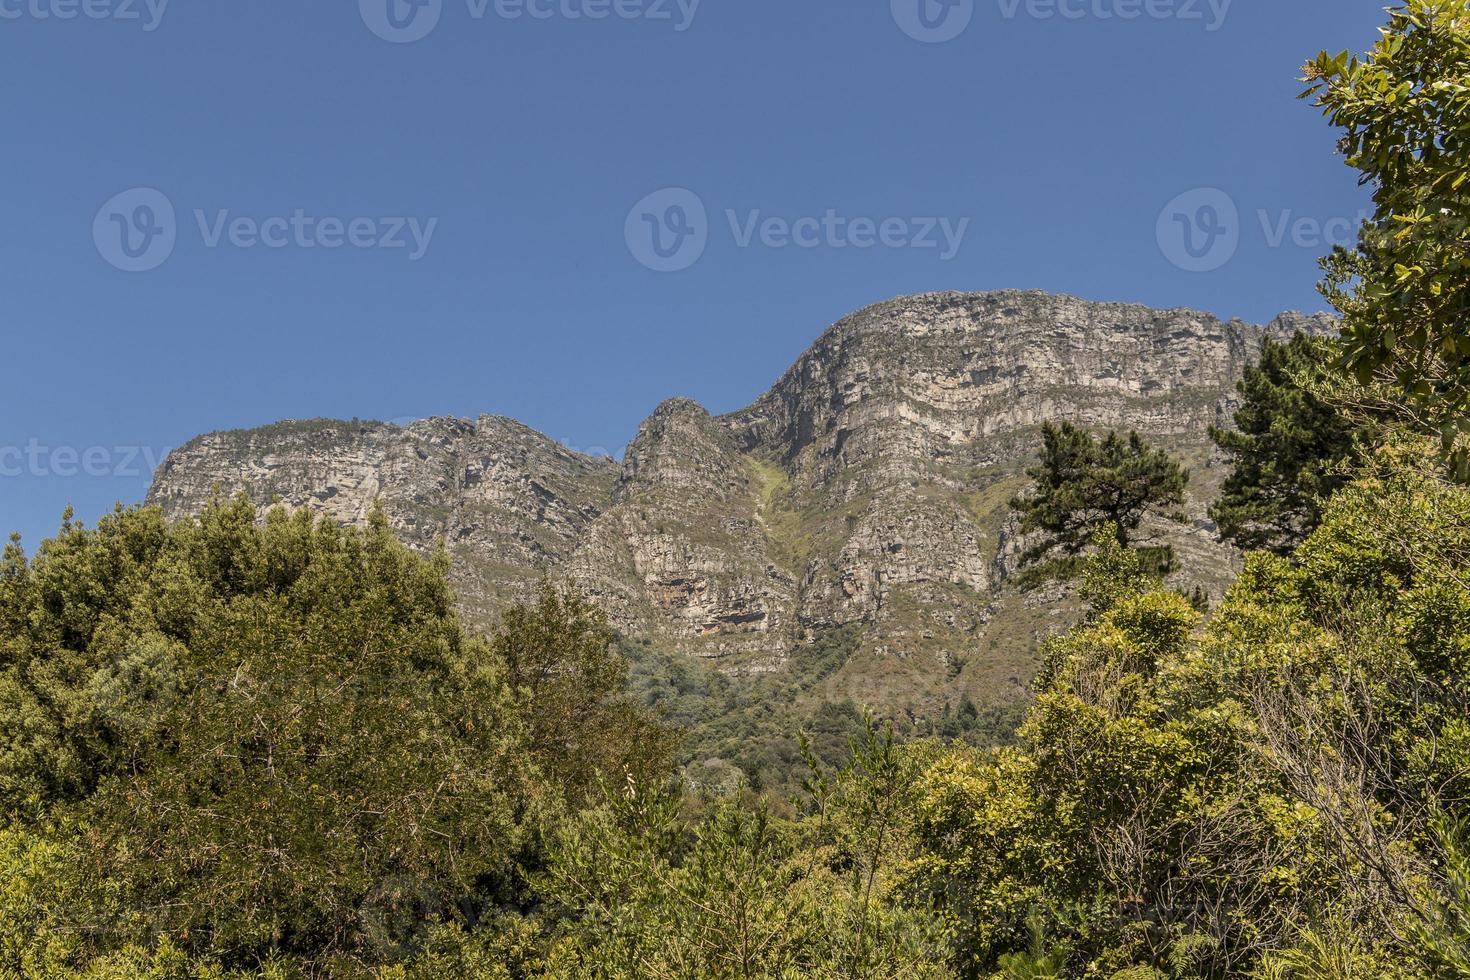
[[528, 141]]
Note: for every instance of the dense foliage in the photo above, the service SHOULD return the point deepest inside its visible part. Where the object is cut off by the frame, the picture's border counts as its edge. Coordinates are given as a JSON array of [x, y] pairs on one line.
[[746, 731], [309, 769], [1213, 802], [1404, 110], [275, 741]]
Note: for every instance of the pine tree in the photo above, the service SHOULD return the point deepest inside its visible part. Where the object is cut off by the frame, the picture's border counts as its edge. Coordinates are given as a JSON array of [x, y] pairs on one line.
[[1288, 448], [1082, 485]]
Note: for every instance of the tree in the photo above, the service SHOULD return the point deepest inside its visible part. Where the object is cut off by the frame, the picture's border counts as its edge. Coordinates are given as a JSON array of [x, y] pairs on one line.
[[1082, 485], [650, 896], [1252, 796], [1288, 448], [254, 741], [279, 735], [643, 891], [1404, 292], [561, 665]]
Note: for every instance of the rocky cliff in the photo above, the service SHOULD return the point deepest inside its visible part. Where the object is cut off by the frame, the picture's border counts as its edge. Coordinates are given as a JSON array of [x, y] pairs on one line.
[[867, 487]]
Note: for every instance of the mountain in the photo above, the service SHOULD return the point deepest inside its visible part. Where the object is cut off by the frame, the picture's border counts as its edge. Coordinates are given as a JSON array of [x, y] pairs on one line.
[[867, 489]]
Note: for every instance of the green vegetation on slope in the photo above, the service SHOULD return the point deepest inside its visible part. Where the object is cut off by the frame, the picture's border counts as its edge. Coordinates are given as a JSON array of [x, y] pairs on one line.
[[744, 732]]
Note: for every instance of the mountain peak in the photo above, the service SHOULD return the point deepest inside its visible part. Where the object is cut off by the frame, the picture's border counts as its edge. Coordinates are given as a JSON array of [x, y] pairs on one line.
[[680, 448], [671, 407]]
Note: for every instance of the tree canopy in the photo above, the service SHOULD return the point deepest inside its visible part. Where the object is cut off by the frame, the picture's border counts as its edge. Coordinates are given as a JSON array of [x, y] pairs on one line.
[[277, 740], [1254, 797], [1404, 112]]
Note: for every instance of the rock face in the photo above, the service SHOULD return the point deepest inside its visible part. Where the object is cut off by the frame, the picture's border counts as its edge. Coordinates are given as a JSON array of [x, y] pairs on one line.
[[682, 554], [868, 487], [504, 499]]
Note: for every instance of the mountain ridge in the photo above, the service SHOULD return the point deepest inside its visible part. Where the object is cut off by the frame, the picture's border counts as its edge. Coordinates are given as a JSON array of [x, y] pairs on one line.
[[865, 489]]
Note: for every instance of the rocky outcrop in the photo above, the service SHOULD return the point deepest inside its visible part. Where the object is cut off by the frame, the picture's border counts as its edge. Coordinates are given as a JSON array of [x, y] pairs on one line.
[[951, 379], [868, 486], [682, 554], [505, 500]]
